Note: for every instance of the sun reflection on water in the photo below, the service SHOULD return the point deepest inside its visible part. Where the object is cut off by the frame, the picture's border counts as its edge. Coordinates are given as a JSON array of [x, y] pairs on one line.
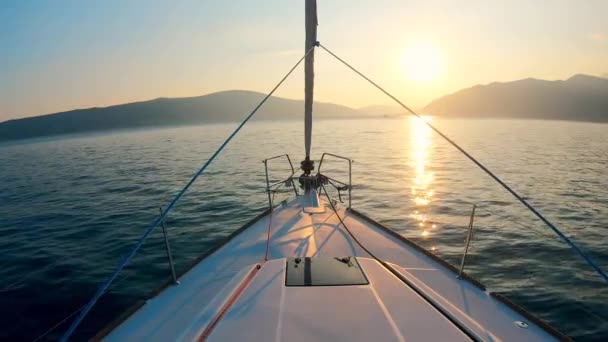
[[422, 193]]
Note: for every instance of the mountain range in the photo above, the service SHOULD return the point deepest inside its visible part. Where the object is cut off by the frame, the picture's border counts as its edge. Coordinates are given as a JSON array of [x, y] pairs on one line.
[[225, 106], [580, 98]]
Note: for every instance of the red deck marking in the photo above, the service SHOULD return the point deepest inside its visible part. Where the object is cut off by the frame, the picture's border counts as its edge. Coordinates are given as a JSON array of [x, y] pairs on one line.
[[235, 295]]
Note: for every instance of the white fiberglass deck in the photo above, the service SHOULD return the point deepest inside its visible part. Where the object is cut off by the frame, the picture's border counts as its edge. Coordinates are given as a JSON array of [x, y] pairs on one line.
[[435, 305]]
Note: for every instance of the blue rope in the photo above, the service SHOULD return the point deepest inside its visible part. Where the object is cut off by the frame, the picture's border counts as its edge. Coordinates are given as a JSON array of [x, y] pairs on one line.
[[102, 288], [584, 255]]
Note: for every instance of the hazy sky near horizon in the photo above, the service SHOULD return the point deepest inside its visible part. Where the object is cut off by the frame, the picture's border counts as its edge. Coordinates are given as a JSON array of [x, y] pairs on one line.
[[67, 54]]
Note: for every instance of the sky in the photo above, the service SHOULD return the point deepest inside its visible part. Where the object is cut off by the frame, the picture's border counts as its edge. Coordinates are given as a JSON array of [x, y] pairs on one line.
[[67, 54]]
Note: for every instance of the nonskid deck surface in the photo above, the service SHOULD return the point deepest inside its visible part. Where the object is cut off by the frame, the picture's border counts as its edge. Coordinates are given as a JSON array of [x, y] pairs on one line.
[[268, 310], [384, 310]]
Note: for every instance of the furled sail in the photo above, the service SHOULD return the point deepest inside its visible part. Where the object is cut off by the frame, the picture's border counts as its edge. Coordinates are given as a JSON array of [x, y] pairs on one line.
[[309, 73]]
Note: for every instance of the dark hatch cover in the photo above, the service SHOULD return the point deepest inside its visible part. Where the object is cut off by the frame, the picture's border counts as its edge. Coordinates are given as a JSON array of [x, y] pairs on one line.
[[324, 272]]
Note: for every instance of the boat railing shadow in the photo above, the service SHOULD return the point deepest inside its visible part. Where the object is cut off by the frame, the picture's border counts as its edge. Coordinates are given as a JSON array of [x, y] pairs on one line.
[[288, 235]]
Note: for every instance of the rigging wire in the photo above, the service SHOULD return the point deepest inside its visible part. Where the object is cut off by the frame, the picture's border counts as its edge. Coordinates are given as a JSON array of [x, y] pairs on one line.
[[47, 268], [269, 225], [58, 324], [49, 330], [578, 250], [268, 235], [103, 287], [483, 206], [274, 192], [331, 203], [21, 280]]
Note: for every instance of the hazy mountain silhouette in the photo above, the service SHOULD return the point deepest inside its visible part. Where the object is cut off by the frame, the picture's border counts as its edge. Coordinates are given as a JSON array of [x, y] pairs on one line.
[[225, 106], [581, 98]]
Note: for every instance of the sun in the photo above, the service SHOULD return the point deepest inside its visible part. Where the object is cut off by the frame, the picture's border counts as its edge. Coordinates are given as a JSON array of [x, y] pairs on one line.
[[423, 62]]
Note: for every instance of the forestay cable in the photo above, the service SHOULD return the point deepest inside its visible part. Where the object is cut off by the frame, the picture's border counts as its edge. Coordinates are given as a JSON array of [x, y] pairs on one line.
[[580, 252], [168, 208]]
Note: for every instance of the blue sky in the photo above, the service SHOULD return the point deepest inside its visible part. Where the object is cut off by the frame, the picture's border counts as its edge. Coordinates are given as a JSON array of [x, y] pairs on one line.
[[64, 54]]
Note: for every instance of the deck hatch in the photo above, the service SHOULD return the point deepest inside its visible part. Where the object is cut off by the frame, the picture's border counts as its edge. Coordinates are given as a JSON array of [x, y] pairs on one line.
[[324, 271]]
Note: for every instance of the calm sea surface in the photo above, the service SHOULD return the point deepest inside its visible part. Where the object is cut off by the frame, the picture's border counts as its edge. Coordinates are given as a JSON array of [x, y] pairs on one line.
[[70, 207]]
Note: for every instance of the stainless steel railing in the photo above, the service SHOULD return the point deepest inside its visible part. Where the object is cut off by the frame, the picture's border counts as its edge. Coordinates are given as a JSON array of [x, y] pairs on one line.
[[467, 242], [289, 179], [168, 248], [350, 177], [292, 180]]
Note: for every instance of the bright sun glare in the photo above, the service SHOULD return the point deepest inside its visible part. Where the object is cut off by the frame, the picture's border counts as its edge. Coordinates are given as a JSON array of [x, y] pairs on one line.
[[423, 62]]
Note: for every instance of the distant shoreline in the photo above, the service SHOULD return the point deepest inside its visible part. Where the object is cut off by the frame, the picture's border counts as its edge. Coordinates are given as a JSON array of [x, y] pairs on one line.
[[581, 98], [85, 134]]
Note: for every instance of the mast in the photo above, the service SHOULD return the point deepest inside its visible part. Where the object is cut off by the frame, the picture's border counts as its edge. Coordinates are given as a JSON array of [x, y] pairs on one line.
[[309, 79]]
